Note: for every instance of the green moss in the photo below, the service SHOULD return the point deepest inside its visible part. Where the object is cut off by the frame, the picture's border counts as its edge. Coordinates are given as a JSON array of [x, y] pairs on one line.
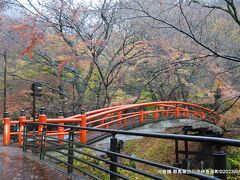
[[155, 150], [233, 160]]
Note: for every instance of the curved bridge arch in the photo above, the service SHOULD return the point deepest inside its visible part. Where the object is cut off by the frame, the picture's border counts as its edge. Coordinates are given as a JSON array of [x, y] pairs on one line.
[[117, 117], [127, 116]]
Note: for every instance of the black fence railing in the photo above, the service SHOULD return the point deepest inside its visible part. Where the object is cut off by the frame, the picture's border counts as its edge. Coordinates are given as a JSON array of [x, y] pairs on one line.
[[69, 153], [1, 128]]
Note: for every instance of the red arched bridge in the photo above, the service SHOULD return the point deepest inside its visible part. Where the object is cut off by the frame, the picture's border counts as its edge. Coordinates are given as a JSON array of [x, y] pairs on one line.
[[118, 117]]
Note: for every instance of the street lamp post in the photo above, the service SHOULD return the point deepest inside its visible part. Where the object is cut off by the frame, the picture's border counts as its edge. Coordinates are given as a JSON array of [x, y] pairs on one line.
[[5, 83], [37, 92]]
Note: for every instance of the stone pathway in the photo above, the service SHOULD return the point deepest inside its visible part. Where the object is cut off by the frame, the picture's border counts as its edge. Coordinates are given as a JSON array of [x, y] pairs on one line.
[[16, 165]]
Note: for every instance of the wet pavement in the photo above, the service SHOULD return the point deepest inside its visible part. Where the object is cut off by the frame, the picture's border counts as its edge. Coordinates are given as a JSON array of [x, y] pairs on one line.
[[16, 165]]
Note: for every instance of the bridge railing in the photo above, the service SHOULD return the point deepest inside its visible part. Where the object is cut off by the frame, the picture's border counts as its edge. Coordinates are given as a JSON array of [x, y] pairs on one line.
[[174, 109], [128, 115], [60, 132], [71, 153], [117, 117]]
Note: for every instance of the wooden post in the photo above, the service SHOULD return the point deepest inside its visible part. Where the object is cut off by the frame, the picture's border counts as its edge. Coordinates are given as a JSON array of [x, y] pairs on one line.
[[60, 129], [125, 122], [41, 119], [83, 135], [187, 113], [156, 114], [6, 131], [141, 118], [21, 120], [119, 116], [166, 115], [177, 112]]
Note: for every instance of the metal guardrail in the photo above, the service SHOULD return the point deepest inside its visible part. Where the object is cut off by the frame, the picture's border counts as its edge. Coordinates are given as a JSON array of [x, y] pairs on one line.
[[41, 142], [1, 128]]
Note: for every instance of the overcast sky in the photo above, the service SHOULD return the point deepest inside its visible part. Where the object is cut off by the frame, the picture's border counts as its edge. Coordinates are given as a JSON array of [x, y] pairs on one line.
[[14, 12]]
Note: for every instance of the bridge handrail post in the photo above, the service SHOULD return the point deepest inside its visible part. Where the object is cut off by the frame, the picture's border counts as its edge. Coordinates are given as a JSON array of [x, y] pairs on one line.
[[43, 142], [156, 113], [141, 117], [42, 118], [166, 113], [7, 129], [187, 113], [21, 120], [219, 163], [177, 112], [83, 135], [203, 115], [119, 116], [113, 157], [60, 128], [70, 151]]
